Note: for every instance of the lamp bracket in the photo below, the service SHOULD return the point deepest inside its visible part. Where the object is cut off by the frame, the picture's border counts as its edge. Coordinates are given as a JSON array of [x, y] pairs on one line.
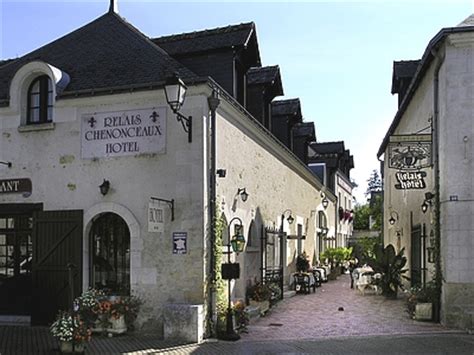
[[186, 122], [169, 202], [7, 163]]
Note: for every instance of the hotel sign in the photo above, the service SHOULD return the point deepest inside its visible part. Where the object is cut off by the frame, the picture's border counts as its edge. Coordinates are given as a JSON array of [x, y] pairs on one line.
[[11, 186], [410, 180], [122, 133], [409, 152]]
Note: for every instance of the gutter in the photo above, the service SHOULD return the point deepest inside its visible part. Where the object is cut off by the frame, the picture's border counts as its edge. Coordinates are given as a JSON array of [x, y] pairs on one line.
[[439, 57]]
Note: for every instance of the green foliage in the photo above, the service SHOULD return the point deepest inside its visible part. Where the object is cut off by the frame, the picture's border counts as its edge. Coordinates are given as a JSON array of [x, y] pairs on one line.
[[302, 263], [362, 215], [337, 256], [219, 284], [391, 266], [374, 183], [364, 249], [260, 292]]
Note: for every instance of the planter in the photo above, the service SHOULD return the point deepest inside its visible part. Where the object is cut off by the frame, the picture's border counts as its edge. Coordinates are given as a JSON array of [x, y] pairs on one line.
[[66, 347], [264, 306], [424, 311], [118, 325]]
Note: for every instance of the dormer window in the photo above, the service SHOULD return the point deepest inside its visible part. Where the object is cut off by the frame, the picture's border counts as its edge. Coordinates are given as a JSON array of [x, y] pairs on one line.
[[40, 101]]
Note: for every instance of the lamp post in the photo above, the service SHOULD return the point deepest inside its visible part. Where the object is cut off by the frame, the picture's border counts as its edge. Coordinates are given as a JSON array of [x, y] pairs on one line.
[[231, 271]]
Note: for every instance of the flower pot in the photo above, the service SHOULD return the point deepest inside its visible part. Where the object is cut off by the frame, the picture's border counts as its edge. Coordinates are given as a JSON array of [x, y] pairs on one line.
[[67, 347], [424, 311], [118, 325], [264, 306]]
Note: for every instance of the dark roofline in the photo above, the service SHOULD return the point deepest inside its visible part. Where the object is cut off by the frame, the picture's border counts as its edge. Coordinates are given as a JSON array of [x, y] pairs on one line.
[[426, 60], [205, 32]]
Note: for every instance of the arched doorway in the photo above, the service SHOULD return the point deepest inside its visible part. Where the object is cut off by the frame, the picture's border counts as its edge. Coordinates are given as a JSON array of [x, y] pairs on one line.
[[109, 239]]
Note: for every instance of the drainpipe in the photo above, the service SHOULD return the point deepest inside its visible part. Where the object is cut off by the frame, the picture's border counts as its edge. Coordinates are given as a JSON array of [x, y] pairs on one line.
[[439, 57], [213, 102]]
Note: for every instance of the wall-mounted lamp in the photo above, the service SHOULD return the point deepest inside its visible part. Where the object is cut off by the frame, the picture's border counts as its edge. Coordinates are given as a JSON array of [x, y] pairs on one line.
[[325, 202], [221, 173], [289, 219], [243, 194], [175, 91], [7, 163], [427, 202], [104, 187], [393, 218]]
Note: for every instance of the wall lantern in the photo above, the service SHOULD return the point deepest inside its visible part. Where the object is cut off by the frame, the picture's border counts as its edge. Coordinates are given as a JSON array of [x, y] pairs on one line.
[[175, 91], [325, 202], [427, 202], [243, 194], [104, 187], [289, 219], [7, 163], [232, 271], [238, 241], [393, 218]]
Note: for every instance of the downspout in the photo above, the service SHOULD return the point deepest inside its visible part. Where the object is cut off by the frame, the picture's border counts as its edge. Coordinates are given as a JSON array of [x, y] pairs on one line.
[[336, 214], [435, 138], [213, 102]]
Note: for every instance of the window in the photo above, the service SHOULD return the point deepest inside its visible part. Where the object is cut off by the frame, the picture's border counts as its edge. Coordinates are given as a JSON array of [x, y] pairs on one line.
[[40, 101], [110, 254]]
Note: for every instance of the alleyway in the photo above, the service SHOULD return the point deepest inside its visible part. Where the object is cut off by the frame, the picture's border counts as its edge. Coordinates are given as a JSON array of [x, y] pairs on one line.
[[316, 315], [301, 324]]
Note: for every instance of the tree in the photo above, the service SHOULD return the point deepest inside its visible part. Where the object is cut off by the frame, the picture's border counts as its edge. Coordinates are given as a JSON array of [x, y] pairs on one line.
[[374, 183], [369, 216]]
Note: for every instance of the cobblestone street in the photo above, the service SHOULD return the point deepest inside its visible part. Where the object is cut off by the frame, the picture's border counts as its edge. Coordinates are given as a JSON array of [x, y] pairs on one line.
[[303, 324], [316, 315]]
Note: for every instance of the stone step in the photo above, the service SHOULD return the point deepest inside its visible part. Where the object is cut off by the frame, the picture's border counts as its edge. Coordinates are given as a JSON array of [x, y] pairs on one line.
[[15, 320], [289, 294]]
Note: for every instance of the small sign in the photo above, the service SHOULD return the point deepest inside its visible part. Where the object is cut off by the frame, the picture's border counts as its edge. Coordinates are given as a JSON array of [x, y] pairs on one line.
[[155, 217], [180, 241], [12, 186], [410, 180]]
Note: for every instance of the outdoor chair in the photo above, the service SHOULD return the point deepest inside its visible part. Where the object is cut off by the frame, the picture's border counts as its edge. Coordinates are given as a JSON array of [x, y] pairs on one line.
[[317, 279], [302, 283]]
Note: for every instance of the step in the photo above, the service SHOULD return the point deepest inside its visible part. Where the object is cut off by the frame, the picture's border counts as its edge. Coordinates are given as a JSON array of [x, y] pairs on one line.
[[15, 320], [289, 294]]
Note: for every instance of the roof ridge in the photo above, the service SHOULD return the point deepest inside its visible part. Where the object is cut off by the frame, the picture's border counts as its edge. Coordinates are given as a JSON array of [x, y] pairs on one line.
[[284, 101], [267, 67], [202, 33]]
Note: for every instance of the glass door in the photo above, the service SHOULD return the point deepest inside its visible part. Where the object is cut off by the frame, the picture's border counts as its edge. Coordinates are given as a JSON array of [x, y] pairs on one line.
[[15, 264]]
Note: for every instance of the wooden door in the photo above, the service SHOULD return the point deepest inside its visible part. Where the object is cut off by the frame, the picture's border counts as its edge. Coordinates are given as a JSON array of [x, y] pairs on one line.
[[57, 262]]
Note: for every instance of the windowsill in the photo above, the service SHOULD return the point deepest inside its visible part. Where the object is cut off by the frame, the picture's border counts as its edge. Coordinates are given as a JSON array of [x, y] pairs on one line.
[[36, 127]]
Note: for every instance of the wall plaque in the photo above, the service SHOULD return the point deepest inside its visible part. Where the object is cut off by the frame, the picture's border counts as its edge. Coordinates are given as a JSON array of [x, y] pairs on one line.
[[11, 186], [180, 242], [122, 133], [155, 217]]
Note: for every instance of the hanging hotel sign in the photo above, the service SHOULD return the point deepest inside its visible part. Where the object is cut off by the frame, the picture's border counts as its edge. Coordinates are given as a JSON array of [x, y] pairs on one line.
[[410, 180], [12, 186], [121, 133], [155, 217], [409, 152]]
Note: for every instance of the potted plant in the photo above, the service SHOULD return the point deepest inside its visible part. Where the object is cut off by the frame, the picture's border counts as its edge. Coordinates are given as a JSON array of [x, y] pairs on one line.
[[302, 263], [391, 267], [71, 331], [87, 305], [420, 301], [241, 316], [260, 295]]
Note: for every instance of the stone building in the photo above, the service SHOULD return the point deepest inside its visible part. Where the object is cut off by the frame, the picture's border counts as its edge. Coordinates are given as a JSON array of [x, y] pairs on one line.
[[428, 157], [102, 186]]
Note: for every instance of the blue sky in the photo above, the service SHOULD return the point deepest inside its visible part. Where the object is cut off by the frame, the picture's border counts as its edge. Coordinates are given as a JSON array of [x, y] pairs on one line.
[[336, 56]]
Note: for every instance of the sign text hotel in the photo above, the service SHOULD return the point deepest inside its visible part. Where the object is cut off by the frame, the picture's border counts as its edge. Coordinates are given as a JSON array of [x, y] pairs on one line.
[[113, 134]]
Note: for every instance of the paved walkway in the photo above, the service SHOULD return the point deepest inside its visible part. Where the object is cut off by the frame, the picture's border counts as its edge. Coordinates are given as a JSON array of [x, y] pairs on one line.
[[316, 315], [304, 324]]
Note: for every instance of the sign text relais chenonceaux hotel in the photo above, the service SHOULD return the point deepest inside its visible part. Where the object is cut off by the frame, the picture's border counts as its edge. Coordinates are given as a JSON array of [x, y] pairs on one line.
[[131, 132]]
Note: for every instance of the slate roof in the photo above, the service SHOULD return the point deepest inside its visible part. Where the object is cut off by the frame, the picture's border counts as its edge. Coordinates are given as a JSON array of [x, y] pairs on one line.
[[328, 148], [425, 62], [305, 129], [268, 76], [469, 21], [200, 41], [403, 69], [286, 107], [106, 53], [5, 62]]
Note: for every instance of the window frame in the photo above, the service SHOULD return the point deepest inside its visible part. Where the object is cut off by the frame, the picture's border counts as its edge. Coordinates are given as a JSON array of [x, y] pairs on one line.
[[45, 101]]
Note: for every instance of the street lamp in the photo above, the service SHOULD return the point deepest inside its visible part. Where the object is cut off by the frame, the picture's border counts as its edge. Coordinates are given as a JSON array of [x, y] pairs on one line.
[[175, 91], [231, 271]]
